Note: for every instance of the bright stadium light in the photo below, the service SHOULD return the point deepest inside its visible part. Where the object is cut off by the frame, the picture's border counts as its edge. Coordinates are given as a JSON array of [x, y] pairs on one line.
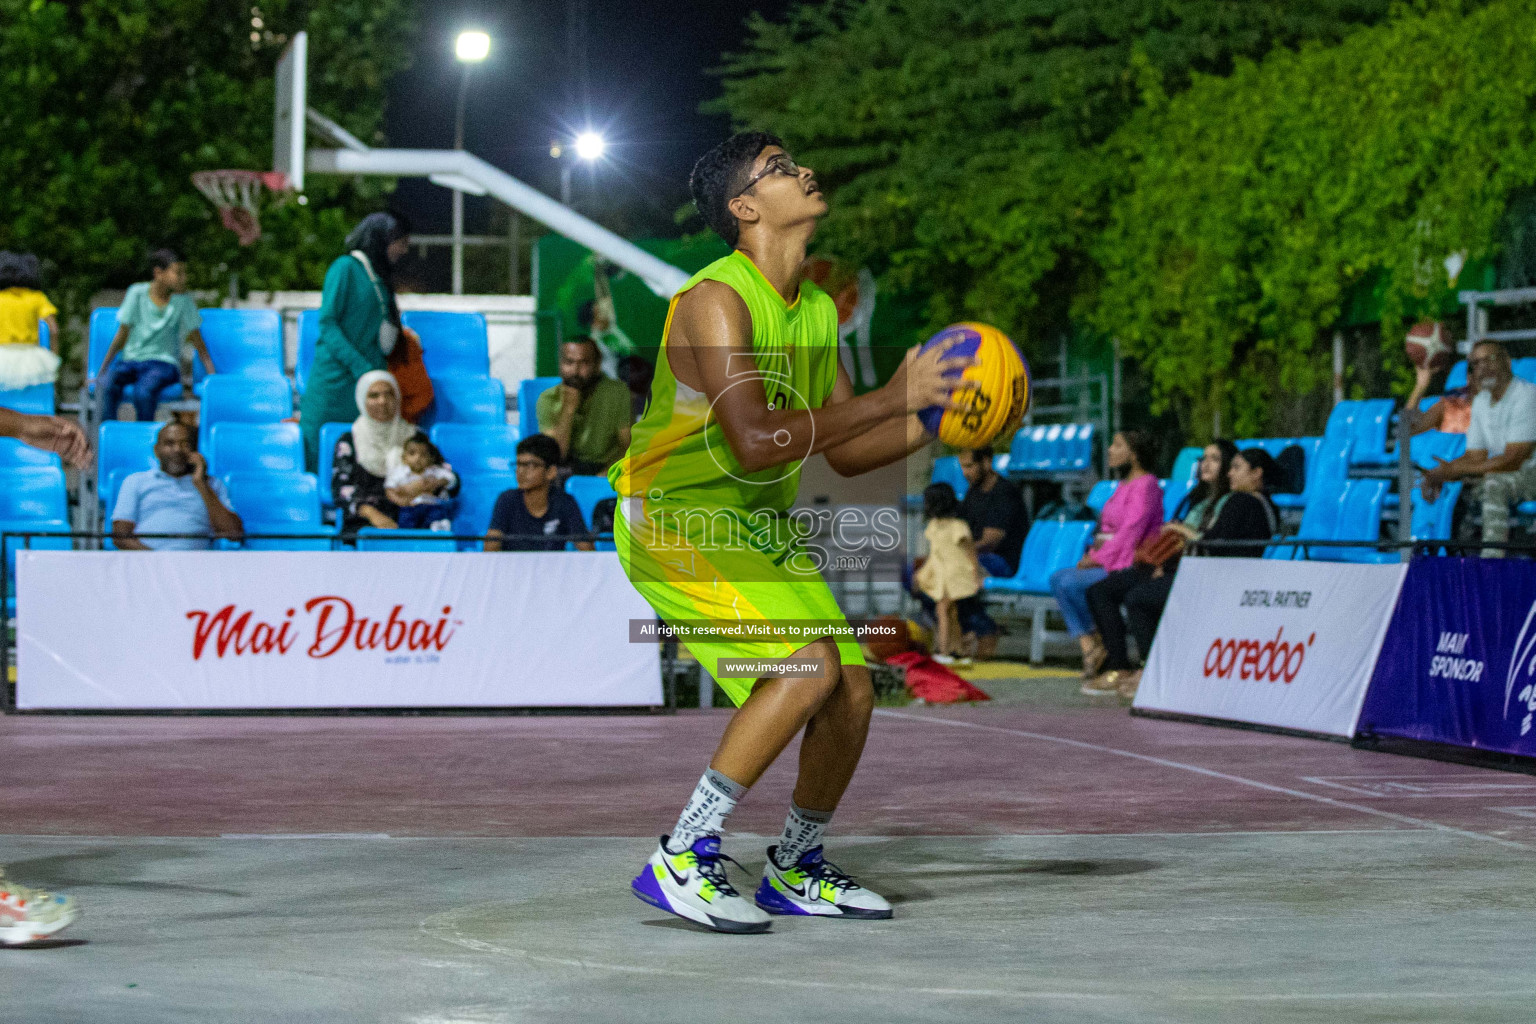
[[472, 47], [590, 146]]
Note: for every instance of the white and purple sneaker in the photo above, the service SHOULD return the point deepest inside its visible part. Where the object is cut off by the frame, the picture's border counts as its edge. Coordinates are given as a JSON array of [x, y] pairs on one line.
[[692, 885], [815, 888]]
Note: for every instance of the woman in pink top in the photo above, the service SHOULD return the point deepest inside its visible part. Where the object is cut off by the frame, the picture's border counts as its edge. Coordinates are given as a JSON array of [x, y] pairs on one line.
[[1134, 513]]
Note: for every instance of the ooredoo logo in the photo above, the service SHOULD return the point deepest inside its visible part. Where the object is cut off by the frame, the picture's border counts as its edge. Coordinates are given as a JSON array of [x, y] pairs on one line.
[[333, 625], [1274, 660]]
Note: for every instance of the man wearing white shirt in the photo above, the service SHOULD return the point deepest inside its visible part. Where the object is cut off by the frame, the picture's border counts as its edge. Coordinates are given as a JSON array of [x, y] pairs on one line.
[[1500, 463]]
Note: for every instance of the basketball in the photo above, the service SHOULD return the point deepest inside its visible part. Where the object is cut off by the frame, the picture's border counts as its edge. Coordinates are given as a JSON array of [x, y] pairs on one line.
[[1429, 345], [993, 394]]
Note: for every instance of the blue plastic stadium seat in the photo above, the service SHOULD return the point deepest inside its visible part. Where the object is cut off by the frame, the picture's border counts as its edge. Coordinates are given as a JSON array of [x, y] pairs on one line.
[[1021, 451], [255, 448], [1187, 464], [1081, 452], [242, 342], [946, 470], [1525, 369], [102, 329], [1071, 543], [278, 503], [1425, 448], [1349, 512], [372, 539], [477, 498], [330, 433], [37, 399], [1457, 378], [1325, 461], [1050, 454], [1099, 493], [230, 398], [1174, 493], [123, 448], [1000, 464], [44, 336], [309, 337], [1372, 425], [1033, 575], [528, 393], [588, 491], [477, 448], [33, 492], [469, 400], [452, 344], [14, 453]]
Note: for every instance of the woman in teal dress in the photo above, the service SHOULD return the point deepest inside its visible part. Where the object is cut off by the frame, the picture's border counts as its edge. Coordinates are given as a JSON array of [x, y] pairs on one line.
[[359, 325]]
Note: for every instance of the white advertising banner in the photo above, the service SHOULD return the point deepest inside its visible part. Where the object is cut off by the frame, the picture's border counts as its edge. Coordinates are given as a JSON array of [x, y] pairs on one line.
[[1270, 642], [213, 630]]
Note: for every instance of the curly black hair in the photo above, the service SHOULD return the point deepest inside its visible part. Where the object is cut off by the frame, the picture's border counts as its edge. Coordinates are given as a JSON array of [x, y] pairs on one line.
[[20, 270], [720, 175]]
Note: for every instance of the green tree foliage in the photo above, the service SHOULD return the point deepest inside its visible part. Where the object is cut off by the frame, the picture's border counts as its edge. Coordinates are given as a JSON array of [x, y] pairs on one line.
[[1257, 199], [108, 106], [961, 140]]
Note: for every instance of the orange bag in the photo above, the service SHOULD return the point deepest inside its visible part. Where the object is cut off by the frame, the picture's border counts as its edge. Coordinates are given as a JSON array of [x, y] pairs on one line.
[[410, 371]]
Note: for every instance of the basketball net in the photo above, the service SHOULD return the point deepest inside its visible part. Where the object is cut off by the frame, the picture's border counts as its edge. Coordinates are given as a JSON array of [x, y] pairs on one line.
[[235, 193]]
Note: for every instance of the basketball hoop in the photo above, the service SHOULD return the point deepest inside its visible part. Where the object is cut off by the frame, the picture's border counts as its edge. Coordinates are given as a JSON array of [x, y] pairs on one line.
[[235, 194]]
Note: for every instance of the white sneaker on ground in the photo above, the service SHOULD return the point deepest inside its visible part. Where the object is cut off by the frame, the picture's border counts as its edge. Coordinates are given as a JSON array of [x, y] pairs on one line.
[[693, 885], [816, 888], [27, 914]]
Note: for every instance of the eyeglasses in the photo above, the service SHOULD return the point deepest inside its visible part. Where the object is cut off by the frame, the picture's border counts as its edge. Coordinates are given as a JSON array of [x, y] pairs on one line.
[[780, 163], [532, 465]]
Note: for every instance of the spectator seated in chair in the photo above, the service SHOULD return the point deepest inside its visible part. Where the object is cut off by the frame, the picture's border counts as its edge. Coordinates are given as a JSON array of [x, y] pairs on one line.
[[178, 497], [536, 516], [367, 454], [994, 511], [1500, 462], [1132, 514], [421, 486], [1243, 513], [24, 362], [155, 318], [587, 413], [1452, 414]]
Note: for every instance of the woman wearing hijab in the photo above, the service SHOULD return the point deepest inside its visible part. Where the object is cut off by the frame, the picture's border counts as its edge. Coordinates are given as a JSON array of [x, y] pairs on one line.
[[367, 453], [359, 326]]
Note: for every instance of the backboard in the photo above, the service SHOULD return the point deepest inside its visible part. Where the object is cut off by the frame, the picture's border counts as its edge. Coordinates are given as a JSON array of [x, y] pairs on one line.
[[288, 116]]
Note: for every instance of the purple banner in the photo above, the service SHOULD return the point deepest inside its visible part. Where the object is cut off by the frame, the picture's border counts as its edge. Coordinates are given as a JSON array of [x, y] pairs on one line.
[[1458, 665]]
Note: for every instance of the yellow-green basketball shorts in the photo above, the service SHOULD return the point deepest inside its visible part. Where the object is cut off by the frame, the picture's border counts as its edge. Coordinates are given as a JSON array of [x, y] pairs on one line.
[[689, 582]]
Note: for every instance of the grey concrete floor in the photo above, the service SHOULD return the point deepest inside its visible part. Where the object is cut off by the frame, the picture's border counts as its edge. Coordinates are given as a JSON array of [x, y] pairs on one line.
[[1351, 925]]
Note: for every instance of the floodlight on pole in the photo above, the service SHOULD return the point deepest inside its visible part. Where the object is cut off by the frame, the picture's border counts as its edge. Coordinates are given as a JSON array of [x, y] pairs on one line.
[[590, 146], [472, 47]]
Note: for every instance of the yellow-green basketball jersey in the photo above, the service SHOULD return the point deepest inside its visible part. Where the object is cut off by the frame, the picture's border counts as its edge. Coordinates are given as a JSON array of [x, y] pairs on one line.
[[701, 538], [677, 450]]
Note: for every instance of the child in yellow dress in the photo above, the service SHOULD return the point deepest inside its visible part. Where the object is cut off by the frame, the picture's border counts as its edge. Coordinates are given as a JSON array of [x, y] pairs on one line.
[[952, 573], [23, 360]]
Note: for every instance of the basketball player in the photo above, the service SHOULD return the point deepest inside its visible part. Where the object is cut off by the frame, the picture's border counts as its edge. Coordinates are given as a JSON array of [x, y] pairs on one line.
[[28, 914], [747, 385]]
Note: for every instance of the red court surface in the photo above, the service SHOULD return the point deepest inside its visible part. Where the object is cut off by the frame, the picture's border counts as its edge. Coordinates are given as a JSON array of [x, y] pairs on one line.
[[938, 772]]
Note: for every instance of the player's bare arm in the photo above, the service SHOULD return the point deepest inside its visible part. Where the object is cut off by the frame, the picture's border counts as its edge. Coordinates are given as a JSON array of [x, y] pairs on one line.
[[886, 443], [711, 337]]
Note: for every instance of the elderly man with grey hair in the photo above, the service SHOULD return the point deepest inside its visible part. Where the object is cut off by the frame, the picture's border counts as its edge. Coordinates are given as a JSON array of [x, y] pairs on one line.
[[1500, 463]]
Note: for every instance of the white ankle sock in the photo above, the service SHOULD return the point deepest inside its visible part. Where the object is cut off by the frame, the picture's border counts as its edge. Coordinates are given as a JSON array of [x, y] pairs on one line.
[[802, 832], [713, 799]]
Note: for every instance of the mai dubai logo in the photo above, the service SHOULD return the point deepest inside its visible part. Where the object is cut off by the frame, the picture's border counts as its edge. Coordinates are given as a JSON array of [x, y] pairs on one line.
[[1524, 658]]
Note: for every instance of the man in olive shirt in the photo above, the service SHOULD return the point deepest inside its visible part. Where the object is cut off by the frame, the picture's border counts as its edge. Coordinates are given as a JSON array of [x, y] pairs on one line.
[[587, 413]]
